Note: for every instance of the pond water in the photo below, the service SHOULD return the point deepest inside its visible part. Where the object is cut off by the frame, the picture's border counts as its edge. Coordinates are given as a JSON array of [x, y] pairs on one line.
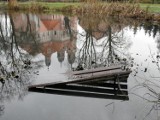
[[44, 48]]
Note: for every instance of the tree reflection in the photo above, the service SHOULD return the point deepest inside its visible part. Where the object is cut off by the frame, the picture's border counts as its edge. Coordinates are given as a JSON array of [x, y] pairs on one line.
[[158, 42], [22, 36], [68, 26], [147, 78], [114, 50], [104, 44], [151, 29], [16, 67], [1, 110]]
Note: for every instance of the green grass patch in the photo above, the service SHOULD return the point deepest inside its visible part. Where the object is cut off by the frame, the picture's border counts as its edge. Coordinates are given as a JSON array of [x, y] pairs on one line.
[[49, 5], [59, 5], [154, 8]]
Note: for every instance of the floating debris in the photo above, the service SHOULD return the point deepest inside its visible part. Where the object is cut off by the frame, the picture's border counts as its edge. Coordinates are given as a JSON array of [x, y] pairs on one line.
[[145, 70]]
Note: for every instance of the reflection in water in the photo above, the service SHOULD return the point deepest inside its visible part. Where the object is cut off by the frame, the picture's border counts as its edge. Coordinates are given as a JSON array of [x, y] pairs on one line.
[[53, 34], [16, 67], [1, 110], [103, 45], [146, 75], [151, 29], [158, 42], [99, 42], [44, 34]]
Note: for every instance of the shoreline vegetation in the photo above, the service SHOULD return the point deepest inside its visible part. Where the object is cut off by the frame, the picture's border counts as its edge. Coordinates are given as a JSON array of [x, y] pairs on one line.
[[147, 12]]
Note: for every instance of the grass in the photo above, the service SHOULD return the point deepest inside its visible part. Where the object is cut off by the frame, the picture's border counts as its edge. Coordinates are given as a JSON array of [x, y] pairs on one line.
[[51, 5], [153, 8], [2, 5], [60, 5]]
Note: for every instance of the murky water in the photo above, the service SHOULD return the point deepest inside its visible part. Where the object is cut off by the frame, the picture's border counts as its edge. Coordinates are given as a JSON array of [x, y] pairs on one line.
[[43, 48]]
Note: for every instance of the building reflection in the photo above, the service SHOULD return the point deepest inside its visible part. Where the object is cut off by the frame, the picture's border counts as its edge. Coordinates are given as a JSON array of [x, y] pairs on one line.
[[56, 34], [23, 36], [52, 34], [48, 34]]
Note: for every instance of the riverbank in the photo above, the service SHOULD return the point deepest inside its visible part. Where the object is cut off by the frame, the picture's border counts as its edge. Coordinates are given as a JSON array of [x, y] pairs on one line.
[[154, 8], [35, 6], [138, 11]]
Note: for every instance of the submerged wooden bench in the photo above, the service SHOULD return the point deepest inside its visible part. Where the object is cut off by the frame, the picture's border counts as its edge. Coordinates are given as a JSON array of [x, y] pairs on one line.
[[106, 83]]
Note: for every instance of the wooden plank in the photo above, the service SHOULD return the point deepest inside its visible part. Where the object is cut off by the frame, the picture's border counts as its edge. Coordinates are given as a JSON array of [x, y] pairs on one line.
[[78, 94], [45, 84], [103, 73], [109, 85], [98, 77], [88, 79], [121, 79], [88, 89], [96, 70], [105, 83]]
